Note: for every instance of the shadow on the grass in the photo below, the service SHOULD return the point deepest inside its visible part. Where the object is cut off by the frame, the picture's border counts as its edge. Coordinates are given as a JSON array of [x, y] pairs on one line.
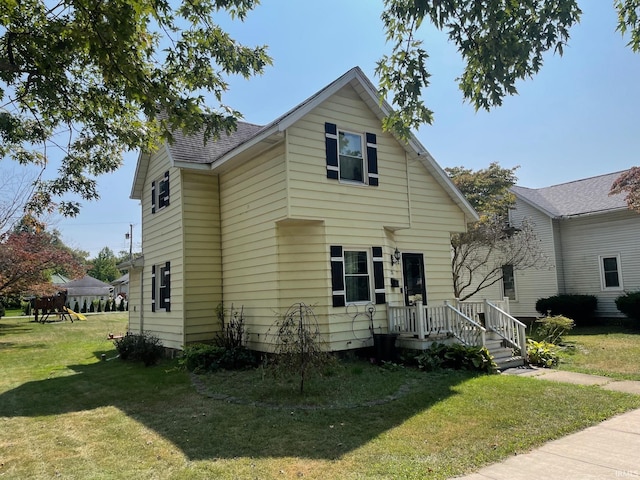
[[163, 399]]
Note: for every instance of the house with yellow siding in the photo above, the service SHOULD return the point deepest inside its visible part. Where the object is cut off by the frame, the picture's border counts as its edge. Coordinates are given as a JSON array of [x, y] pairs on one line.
[[320, 206]]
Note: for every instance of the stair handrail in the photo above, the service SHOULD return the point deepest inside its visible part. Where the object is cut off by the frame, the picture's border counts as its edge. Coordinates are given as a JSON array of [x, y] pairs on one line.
[[465, 329], [510, 329]]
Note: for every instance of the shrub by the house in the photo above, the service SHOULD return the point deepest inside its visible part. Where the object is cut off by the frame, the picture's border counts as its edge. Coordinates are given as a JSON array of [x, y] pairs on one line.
[[552, 329], [580, 308], [629, 304], [140, 347], [542, 354], [199, 358]]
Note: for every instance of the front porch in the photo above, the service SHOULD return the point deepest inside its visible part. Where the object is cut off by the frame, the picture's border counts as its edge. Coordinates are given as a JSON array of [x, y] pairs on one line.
[[486, 323]]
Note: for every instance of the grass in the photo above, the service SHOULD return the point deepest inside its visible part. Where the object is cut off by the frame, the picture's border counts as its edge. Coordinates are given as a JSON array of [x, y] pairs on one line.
[[66, 414], [611, 350]]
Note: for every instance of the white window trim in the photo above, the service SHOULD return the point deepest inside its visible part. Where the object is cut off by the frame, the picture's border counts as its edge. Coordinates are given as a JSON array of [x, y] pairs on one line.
[[160, 180], [369, 274], [515, 286], [603, 285], [365, 169]]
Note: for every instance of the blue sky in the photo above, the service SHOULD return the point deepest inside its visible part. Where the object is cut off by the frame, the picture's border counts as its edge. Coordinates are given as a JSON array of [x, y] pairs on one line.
[[577, 118]]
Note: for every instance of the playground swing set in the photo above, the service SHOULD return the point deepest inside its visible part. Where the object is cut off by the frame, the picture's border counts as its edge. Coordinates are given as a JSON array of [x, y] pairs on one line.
[[54, 304]]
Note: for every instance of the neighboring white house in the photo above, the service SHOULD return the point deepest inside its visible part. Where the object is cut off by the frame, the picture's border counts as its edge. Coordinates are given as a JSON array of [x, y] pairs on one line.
[[121, 286], [592, 241]]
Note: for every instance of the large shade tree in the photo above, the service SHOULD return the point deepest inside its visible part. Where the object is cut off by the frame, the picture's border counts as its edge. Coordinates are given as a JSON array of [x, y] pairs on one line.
[[93, 78], [105, 266], [479, 255], [28, 257]]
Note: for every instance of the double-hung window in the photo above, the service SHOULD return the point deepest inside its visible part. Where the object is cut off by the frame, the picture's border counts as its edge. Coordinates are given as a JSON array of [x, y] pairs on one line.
[[357, 276], [160, 193], [610, 275], [351, 157], [508, 282], [161, 287]]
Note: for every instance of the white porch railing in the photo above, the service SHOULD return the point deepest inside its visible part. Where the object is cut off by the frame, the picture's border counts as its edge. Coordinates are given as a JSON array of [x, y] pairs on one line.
[[467, 321], [424, 321], [513, 331]]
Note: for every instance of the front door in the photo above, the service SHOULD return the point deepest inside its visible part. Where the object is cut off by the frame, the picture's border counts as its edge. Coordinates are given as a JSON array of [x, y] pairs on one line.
[[414, 281]]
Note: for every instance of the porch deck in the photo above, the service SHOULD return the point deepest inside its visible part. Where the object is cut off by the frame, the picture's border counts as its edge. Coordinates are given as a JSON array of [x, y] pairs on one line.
[[486, 323]]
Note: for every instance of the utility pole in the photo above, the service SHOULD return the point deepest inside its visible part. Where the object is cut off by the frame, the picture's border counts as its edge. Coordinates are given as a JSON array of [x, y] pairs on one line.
[[129, 236]]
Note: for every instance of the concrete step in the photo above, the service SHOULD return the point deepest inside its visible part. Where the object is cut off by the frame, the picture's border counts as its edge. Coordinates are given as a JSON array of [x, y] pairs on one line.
[[511, 362], [501, 353]]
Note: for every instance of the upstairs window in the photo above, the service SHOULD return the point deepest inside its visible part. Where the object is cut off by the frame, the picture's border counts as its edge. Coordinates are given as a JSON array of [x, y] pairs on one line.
[[610, 272], [351, 157], [160, 193]]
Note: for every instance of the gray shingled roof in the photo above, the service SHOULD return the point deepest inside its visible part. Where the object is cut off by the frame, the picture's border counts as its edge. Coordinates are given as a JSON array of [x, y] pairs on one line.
[[580, 197], [193, 149], [87, 286]]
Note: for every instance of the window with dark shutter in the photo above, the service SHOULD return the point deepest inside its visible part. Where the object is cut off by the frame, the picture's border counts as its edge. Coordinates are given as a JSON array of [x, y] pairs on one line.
[[160, 193], [378, 275], [153, 197], [164, 291], [161, 287], [372, 159], [337, 277], [352, 278], [351, 157], [163, 194], [153, 288], [331, 147]]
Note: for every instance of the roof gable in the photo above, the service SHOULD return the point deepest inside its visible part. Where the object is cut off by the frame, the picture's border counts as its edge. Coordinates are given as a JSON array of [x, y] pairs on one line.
[[193, 152], [580, 197]]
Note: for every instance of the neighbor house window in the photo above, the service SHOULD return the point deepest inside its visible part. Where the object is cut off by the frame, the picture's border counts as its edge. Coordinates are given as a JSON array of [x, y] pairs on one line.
[[508, 282], [160, 193], [357, 275], [351, 157], [610, 272], [161, 287]]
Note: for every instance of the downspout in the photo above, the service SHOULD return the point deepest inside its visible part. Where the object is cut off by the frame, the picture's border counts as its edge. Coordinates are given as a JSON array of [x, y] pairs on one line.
[[142, 300]]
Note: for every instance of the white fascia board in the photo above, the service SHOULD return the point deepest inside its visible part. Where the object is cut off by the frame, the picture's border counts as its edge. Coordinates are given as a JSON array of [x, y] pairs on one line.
[[138, 183]]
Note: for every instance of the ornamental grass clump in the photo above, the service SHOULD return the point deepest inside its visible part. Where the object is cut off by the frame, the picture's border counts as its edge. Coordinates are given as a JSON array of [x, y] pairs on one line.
[[552, 329]]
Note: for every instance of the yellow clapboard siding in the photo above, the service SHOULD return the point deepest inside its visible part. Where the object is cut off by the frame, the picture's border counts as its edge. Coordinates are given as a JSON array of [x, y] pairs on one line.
[[203, 260]]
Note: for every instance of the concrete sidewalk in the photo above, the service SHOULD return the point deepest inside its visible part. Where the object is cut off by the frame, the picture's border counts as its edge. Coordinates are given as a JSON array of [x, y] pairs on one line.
[[608, 450]]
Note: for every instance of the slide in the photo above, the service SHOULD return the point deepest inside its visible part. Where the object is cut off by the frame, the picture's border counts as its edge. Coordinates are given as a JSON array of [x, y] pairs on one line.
[[79, 316]]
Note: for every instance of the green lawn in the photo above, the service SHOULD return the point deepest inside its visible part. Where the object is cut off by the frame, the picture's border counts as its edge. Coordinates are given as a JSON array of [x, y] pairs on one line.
[[611, 350], [66, 414]]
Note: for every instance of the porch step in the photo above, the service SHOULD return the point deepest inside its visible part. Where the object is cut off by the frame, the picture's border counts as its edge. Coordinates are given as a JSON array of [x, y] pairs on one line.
[[510, 362], [504, 357]]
